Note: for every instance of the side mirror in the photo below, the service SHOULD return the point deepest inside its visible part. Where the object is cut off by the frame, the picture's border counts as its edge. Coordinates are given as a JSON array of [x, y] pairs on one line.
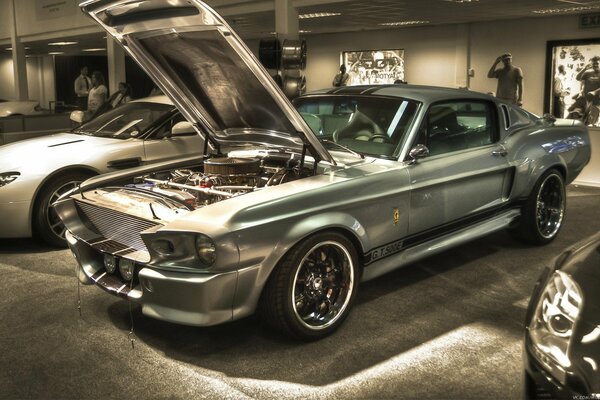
[[549, 118], [183, 128], [419, 151], [77, 116]]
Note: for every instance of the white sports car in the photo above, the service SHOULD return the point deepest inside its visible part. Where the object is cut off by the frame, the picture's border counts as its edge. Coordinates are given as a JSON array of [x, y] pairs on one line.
[[12, 108], [36, 172]]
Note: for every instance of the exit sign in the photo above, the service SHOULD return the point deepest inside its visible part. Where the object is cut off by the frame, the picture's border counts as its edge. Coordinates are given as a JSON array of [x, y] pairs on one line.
[[589, 21]]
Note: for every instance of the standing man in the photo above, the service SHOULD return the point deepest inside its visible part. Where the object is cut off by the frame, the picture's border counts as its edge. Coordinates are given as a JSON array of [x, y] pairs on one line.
[[510, 80], [342, 78], [83, 84], [560, 91]]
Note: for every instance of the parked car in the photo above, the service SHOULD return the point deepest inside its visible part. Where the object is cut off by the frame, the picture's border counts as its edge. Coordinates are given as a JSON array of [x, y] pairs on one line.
[[26, 107], [290, 209], [34, 173], [562, 341]]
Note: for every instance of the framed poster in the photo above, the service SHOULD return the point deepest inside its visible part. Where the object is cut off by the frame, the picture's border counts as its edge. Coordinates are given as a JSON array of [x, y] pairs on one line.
[[368, 67], [572, 79]]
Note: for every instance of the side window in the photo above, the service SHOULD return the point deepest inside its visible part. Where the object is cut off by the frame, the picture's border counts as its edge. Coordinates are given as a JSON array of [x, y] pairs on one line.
[[506, 115], [460, 125]]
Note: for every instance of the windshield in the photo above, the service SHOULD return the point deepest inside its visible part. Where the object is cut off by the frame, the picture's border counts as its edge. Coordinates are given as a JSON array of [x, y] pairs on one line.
[[365, 124], [127, 121]]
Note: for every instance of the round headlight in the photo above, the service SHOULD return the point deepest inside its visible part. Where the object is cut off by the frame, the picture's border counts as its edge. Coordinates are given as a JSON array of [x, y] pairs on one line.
[[110, 263], [126, 268], [207, 251]]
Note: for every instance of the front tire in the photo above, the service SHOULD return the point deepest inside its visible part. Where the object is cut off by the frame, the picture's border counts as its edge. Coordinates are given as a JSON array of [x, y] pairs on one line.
[[311, 291], [46, 223], [544, 210]]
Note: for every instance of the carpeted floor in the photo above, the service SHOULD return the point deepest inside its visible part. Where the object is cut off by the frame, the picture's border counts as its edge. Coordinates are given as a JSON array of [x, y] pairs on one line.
[[448, 327]]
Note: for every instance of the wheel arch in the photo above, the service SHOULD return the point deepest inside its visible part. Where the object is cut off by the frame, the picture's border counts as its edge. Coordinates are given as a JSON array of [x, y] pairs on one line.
[[246, 301], [85, 169]]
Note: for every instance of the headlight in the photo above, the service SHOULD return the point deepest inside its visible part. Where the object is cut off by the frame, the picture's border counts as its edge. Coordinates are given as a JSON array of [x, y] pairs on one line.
[[8, 177], [554, 318], [110, 263], [207, 251], [126, 268]]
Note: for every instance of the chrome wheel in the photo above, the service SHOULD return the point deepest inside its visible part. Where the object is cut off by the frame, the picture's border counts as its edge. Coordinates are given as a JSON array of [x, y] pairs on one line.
[[54, 223], [323, 285], [550, 206]]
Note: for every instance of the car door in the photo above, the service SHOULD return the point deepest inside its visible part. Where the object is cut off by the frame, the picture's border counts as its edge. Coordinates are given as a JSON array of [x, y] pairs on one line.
[[466, 176], [162, 146]]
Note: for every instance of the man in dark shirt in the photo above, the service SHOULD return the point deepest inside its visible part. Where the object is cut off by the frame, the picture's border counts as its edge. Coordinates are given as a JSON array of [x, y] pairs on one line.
[[510, 80], [590, 76]]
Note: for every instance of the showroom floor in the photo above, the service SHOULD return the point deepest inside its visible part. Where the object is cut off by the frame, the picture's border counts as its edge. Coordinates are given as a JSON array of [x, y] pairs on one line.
[[447, 327]]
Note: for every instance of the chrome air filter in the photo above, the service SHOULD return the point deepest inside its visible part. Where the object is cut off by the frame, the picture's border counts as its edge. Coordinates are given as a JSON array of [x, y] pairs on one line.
[[232, 166]]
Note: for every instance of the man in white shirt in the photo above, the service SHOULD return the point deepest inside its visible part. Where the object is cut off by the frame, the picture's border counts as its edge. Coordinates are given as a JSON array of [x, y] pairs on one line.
[[83, 84]]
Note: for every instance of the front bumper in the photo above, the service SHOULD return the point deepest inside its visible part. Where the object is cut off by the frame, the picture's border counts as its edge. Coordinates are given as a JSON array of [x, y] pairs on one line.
[[198, 299], [14, 219], [544, 379]]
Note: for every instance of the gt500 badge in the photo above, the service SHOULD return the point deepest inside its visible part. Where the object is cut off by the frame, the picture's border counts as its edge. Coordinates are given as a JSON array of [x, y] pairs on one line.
[[383, 251]]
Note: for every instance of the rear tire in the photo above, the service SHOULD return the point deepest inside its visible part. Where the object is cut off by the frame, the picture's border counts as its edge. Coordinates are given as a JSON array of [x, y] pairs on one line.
[[46, 223], [544, 210], [311, 291]]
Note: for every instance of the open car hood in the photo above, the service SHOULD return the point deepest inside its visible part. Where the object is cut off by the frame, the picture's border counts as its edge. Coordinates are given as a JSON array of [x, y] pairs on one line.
[[204, 67]]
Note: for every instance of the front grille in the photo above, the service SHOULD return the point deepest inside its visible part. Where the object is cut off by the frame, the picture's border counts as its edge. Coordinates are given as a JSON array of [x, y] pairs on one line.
[[116, 226]]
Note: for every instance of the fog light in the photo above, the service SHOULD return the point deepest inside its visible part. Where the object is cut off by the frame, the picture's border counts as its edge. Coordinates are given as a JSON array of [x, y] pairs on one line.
[[110, 263], [126, 268]]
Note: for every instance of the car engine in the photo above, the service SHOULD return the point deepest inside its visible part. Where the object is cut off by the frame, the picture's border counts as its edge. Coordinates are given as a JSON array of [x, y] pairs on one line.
[[221, 178]]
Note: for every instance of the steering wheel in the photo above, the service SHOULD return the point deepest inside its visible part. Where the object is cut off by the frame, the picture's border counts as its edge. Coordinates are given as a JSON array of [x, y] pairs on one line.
[[379, 136]]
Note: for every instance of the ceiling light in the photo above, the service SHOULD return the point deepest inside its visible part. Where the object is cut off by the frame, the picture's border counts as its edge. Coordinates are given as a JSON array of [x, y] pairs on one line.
[[56, 53], [319, 15], [62, 43], [10, 48], [303, 31], [461, 1], [404, 23], [564, 10], [95, 49]]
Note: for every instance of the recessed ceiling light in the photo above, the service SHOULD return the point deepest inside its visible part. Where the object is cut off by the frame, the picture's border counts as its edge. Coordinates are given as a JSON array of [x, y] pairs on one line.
[[26, 48], [461, 1], [404, 23], [564, 10], [62, 43], [319, 15], [95, 49], [303, 31], [56, 53]]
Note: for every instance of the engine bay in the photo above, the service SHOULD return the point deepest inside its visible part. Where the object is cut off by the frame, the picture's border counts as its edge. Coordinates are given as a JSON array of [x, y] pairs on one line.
[[223, 177]]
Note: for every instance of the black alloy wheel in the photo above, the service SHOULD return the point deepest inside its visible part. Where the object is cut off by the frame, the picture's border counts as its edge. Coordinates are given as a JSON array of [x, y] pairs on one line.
[[311, 291]]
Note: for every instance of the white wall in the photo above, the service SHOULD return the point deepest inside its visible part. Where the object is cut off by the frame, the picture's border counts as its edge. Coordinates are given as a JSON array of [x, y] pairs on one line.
[[7, 85], [40, 79]]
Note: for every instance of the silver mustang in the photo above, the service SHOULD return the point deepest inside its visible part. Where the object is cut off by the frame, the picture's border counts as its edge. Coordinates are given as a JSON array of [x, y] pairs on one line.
[[35, 172], [291, 207]]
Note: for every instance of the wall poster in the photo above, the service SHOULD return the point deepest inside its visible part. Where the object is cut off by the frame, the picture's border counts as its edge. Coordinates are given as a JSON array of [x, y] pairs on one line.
[[573, 80], [368, 67]]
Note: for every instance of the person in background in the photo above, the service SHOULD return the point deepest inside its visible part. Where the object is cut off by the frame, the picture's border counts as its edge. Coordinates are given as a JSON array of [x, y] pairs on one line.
[[98, 93], [342, 78], [83, 84], [122, 96], [510, 80], [560, 91]]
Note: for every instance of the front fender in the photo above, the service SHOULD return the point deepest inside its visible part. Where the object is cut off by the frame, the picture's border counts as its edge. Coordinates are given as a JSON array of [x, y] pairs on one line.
[[255, 268]]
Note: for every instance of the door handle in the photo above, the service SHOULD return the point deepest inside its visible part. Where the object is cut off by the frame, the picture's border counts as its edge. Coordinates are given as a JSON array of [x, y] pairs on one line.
[[500, 153]]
